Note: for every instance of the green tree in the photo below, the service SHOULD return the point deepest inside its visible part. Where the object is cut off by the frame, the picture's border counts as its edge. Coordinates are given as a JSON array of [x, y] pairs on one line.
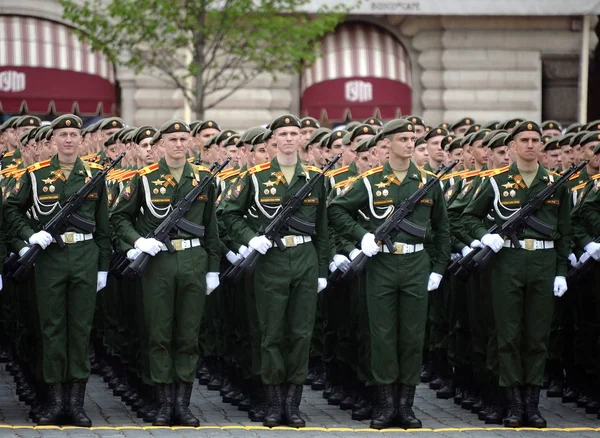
[[208, 48]]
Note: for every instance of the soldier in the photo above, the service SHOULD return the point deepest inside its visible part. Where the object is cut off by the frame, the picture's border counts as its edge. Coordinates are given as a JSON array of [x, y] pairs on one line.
[[421, 155], [551, 155], [286, 302], [65, 285], [419, 125], [314, 147], [373, 121], [552, 128], [434, 149], [397, 284], [173, 299], [309, 126], [461, 127], [522, 299]]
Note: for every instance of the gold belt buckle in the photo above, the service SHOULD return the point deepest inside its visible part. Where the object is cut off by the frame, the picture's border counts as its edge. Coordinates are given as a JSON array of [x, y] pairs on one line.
[[177, 244], [289, 241], [399, 248], [530, 244], [69, 237]]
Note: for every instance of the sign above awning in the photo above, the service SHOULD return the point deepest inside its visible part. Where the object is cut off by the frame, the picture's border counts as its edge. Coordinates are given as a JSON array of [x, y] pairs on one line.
[[45, 68], [356, 99]]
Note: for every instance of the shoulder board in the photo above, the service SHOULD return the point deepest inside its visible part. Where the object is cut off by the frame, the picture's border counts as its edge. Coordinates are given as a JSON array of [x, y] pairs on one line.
[[470, 173], [191, 160], [19, 173], [334, 172], [452, 175], [225, 173], [575, 176], [259, 168], [371, 172], [39, 165], [89, 157], [423, 170], [127, 175], [494, 172], [550, 172], [202, 168], [95, 166], [9, 154], [579, 187], [148, 169], [313, 168], [114, 174], [230, 174], [597, 176], [346, 182], [9, 169], [243, 174]]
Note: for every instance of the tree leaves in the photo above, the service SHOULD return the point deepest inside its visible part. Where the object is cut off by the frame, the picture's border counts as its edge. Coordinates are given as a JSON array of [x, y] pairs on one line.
[[206, 47]]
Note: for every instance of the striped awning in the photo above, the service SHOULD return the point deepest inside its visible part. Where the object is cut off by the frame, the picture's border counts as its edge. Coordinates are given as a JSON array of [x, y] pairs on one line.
[[44, 67], [377, 66]]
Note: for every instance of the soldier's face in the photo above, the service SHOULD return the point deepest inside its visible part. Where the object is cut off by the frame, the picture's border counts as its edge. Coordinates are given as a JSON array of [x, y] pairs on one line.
[[567, 156], [306, 133], [382, 151], [457, 154], [316, 154], [434, 148], [363, 161], [327, 153], [419, 130], [588, 150], [552, 132], [175, 144], [288, 139], [260, 154], [112, 151], [527, 145], [553, 159], [402, 145], [11, 138], [468, 157], [146, 152], [234, 153], [67, 141], [460, 132], [421, 155], [499, 157], [337, 147], [271, 147], [205, 135], [480, 152]]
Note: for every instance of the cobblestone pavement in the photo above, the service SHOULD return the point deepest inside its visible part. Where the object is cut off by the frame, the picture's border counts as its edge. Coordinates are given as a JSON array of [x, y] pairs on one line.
[[441, 418]]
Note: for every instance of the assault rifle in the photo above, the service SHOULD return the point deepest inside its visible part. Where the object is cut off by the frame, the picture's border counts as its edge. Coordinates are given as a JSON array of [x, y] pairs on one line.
[[174, 220], [284, 220], [479, 258], [398, 221], [67, 215]]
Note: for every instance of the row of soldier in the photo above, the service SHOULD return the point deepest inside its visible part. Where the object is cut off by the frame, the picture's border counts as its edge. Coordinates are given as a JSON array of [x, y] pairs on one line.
[[484, 339]]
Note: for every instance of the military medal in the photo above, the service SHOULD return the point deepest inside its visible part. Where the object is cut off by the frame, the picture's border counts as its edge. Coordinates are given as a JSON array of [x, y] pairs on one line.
[[378, 193], [513, 193], [505, 194], [163, 190], [45, 189], [51, 188], [385, 192], [273, 190], [266, 191], [155, 191]]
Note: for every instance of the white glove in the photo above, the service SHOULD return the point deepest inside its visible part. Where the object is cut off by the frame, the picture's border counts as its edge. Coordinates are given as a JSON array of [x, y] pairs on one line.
[[466, 250], [1, 284], [244, 251], [454, 256], [321, 284], [434, 281], [476, 244], [368, 245], [332, 267], [560, 286], [584, 257], [494, 241], [593, 249], [354, 253], [41, 238], [149, 246], [101, 283], [572, 259], [212, 282], [133, 254], [24, 250], [341, 262], [260, 244], [233, 257]]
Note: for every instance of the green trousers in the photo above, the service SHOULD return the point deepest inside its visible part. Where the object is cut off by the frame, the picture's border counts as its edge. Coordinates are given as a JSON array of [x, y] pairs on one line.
[[523, 307], [65, 280], [285, 284], [397, 303], [253, 325], [174, 288]]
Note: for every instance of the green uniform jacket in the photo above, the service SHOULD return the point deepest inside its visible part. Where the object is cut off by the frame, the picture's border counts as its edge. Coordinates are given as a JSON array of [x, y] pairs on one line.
[[42, 188], [143, 205], [506, 192], [587, 215], [376, 192], [264, 187]]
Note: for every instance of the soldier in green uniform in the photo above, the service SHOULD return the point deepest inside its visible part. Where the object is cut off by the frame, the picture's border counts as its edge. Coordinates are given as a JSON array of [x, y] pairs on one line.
[[173, 299], [67, 278], [314, 148], [522, 299], [397, 283], [286, 282]]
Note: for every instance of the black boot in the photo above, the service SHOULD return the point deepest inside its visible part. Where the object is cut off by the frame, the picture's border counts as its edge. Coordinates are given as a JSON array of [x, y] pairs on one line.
[[496, 410], [426, 370], [557, 379], [164, 413], [533, 417], [53, 412], [362, 410], [383, 411], [292, 406], [76, 412], [406, 415], [514, 407], [216, 377], [182, 416], [318, 383], [274, 415], [258, 406], [204, 373]]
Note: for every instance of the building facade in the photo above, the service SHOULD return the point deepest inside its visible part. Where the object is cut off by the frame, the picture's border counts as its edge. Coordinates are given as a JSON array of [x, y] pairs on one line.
[[489, 61]]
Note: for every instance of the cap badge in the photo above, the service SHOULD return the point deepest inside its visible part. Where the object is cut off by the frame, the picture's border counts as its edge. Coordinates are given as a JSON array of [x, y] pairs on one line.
[[365, 129], [414, 120], [31, 121], [307, 122], [114, 123], [468, 122], [371, 121], [210, 124], [551, 125], [439, 131], [530, 126], [68, 123], [410, 127], [229, 134], [148, 132], [287, 121]]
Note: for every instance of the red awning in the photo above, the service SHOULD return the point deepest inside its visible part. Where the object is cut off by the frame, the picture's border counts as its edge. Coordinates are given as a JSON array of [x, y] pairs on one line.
[[362, 72], [43, 68]]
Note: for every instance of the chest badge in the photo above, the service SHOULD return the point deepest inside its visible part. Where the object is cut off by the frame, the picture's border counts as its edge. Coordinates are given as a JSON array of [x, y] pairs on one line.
[[163, 190], [513, 193], [273, 190], [385, 192]]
